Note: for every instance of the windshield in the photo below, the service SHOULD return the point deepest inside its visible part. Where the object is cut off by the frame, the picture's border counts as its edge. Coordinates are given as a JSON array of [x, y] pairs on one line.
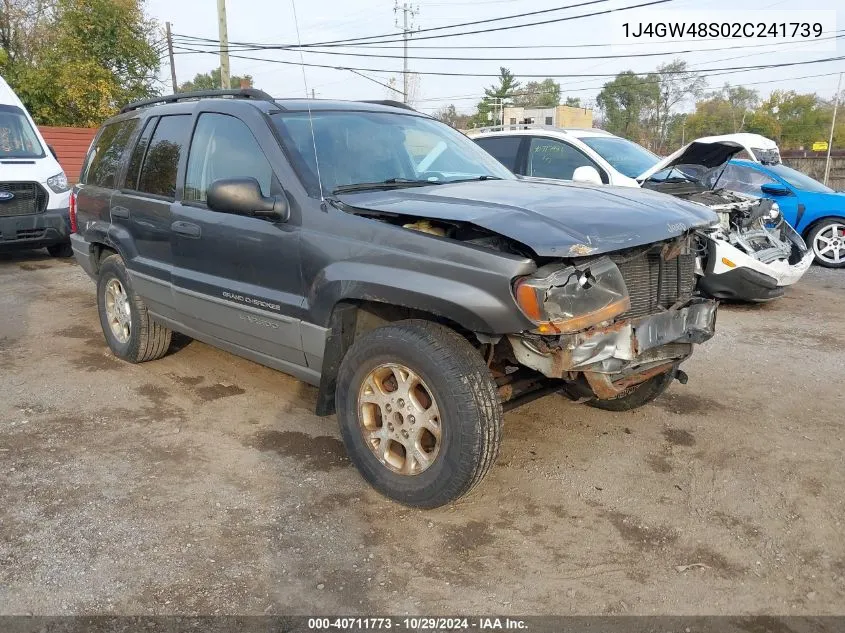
[[798, 180], [682, 173], [362, 148], [624, 156], [17, 138]]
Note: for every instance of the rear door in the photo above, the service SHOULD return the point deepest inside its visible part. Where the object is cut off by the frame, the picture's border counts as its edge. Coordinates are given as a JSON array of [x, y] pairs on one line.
[[99, 178], [236, 278], [141, 209]]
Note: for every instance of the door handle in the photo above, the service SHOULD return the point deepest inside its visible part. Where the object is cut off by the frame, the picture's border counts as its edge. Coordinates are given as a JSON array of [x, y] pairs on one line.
[[120, 212], [188, 229]]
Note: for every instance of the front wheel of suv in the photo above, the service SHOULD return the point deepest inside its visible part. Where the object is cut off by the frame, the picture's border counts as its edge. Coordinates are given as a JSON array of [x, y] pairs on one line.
[[419, 412], [130, 332]]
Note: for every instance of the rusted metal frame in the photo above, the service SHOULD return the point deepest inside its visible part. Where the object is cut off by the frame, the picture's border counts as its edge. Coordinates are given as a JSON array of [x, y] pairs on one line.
[[606, 389]]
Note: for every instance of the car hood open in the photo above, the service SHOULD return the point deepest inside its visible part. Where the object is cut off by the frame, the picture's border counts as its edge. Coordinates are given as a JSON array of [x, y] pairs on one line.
[[552, 219], [712, 151]]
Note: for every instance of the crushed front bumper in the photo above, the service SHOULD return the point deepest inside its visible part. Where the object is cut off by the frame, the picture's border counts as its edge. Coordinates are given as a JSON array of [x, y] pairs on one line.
[[623, 349], [750, 279]]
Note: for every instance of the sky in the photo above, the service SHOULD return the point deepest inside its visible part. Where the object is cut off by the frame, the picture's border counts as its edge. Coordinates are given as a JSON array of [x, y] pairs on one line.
[[272, 22]]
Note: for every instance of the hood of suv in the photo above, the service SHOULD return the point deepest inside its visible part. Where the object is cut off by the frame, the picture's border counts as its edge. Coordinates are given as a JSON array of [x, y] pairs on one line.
[[553, 219]]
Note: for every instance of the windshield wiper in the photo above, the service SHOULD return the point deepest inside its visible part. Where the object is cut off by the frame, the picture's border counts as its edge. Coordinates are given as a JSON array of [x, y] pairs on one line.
[[390, 183], [474, 178]]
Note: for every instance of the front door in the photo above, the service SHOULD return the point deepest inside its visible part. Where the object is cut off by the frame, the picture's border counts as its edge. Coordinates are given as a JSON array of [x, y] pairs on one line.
[[235, 278]]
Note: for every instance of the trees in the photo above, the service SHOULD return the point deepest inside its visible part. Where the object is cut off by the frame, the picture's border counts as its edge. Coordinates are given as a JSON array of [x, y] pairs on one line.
[[644, 108], [675, 84], [450, 116], [627, 103], [212, 80], [574, 102], [75, 62], [494, 96], [538, 94]]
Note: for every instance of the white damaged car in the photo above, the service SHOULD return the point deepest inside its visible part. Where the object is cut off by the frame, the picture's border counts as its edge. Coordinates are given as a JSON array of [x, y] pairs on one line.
[[751, 255]]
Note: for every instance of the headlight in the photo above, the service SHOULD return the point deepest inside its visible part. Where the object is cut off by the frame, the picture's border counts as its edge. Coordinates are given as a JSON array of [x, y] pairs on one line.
[[567, 299], [774, 212], [58, 183]]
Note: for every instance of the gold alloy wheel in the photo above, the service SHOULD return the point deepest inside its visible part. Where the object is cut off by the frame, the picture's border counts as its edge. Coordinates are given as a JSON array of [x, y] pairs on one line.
[[399, 419], [117, 310]]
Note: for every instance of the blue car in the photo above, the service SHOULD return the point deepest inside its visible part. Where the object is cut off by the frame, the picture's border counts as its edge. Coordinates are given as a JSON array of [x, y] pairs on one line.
[[815, 211]]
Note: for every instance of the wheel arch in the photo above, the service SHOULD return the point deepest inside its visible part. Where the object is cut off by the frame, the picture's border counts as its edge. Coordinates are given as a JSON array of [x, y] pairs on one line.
[[828, 216], [352, 318]]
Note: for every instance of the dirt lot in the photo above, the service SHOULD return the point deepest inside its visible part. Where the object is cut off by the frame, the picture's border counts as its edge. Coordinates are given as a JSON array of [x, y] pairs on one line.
[[203, 483]]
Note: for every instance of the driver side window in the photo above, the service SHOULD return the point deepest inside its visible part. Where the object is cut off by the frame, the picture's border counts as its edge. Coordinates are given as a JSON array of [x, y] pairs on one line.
[[224, 147], [743, 179], [548, 158]]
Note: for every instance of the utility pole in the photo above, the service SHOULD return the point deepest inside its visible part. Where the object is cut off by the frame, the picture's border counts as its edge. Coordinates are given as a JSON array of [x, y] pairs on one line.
[[832, 126], [172, 64], [225, 80], [407, 28]]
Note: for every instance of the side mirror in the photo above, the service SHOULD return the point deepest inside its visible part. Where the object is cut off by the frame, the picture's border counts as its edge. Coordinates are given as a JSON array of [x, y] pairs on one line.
[[53, 152], [242, 196], [587, 174], [775, 189]]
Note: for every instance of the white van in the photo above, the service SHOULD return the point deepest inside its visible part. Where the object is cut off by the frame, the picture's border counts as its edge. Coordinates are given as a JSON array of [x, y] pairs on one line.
[[34, 192]]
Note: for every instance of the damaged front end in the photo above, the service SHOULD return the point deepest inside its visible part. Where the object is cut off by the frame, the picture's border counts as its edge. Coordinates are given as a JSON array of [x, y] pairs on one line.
[[607, 324], [753, 254]]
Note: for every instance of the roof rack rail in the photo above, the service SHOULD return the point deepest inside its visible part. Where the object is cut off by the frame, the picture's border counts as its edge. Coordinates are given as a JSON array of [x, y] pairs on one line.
[[389, 102], [243, 93]]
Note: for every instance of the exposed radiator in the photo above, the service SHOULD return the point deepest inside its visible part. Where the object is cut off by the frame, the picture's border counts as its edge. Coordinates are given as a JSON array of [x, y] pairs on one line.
[[641, 275]]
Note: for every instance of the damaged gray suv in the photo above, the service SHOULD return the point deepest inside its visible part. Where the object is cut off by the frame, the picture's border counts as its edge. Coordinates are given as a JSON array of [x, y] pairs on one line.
[[388, 260]]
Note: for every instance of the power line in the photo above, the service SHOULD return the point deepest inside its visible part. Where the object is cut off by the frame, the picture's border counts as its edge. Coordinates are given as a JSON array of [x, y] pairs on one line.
[[474, 22], [460, 24], [529, 76], [516, 59], [490, 30]]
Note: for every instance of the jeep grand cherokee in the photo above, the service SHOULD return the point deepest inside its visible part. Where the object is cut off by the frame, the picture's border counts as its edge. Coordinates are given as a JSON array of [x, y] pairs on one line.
[[384, 257]]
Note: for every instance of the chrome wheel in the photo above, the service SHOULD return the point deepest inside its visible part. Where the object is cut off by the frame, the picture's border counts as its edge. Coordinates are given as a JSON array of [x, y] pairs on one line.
[[829, 243], [117, 310], [399, 419]]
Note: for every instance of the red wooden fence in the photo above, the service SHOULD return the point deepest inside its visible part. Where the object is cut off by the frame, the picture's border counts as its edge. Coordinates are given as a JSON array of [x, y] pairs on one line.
[[71, 145]]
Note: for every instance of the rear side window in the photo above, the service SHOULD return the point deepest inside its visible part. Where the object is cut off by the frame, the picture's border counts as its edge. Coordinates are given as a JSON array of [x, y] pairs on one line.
[[503, 148], [106, 154], [158, 175], [224, 147], [137, 158]]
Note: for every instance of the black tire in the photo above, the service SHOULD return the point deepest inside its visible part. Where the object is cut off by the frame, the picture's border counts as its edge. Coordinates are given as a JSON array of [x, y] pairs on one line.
[[462, 387], [817, 228], [60, 250], [636, 396], [147, 339]]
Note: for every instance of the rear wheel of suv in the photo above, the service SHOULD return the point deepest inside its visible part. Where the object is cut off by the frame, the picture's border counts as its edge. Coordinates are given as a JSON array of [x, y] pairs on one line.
[[130, 332], [636, 396], [419, 412], [60, 250]]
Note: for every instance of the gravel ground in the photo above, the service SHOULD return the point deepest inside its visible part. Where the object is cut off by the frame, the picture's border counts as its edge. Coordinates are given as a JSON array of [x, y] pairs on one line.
[[204, 484]]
